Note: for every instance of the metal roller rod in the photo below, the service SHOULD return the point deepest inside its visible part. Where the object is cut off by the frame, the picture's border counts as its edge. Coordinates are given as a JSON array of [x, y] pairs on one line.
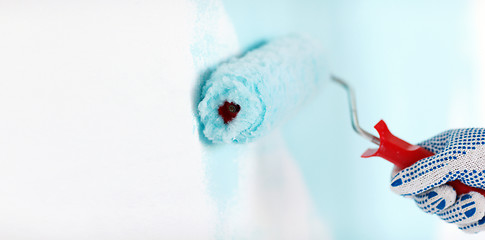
[[353, 112]]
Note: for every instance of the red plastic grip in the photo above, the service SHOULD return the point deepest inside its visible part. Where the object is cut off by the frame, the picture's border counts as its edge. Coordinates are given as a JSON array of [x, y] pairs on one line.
[[402, 155]]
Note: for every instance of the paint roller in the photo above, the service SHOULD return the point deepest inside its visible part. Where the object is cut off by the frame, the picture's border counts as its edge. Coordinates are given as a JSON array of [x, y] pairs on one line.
[[246, 97]]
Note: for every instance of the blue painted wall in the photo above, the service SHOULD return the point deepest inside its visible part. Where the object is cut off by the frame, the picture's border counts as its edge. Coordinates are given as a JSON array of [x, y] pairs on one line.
[[405, 59]]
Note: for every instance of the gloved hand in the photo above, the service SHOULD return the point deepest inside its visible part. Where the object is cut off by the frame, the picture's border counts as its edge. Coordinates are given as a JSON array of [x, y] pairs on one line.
[[459, 154]]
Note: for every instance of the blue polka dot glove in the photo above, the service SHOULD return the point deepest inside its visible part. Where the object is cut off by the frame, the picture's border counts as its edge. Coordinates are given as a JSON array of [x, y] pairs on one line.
[[459, 155]]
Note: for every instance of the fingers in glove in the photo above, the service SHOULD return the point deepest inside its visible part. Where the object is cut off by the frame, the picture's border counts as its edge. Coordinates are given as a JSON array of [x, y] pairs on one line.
[[436, 199], [422, 176], [474, 227], [468, 208]]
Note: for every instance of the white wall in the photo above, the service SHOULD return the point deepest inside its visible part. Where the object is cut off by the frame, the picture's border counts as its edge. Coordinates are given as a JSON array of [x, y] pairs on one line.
[[98, 137]]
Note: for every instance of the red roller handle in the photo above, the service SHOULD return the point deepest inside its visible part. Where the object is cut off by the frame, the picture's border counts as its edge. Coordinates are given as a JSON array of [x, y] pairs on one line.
[[403, 155]]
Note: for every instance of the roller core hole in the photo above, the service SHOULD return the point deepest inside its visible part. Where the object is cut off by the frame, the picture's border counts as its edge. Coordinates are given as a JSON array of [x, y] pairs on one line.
[[228, 111]]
